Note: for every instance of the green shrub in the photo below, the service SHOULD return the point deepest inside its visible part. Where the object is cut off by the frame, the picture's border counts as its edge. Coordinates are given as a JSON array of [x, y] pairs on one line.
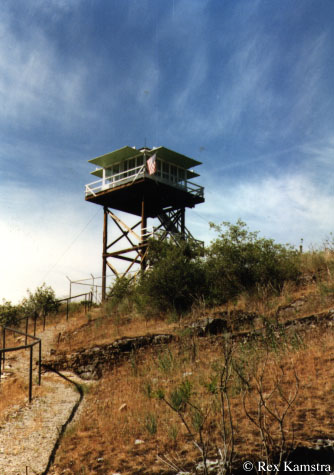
[[238, 260], [9, 313], [180, 273], [121, 295], [176, 276], [42, 302], [151, 424]]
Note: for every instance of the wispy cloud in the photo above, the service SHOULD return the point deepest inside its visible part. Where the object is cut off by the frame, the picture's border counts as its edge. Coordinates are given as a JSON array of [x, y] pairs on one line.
[[321, 153], [286, 208], [34, 87], [306, 80], [240, 88]]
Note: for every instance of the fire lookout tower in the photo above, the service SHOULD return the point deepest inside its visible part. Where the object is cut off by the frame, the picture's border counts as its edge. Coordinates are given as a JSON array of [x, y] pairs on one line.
[[148, 183]]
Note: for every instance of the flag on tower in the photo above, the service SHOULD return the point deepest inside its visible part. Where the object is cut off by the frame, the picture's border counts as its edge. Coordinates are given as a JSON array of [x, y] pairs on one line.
[[152, 164]]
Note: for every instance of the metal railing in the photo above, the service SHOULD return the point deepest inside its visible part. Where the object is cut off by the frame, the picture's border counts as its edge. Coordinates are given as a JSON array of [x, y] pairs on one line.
[[5, 349], [87, 302], [133, 174]]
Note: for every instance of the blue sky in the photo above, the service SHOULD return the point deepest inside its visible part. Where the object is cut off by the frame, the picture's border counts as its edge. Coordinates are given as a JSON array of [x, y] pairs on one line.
[[245, 86]]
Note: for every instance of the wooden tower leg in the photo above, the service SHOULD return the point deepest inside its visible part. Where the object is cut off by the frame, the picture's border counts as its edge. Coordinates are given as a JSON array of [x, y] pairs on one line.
[[183, 224], [104, 253]]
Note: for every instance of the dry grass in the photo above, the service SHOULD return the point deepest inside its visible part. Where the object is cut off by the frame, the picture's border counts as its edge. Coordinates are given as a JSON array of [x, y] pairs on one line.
[[103, 440], [13, 392], [97, 328], [317, 296], [14, 395]]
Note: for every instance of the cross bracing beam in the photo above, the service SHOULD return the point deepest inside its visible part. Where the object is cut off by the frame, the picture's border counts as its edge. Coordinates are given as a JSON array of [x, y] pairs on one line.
[[171, 226]]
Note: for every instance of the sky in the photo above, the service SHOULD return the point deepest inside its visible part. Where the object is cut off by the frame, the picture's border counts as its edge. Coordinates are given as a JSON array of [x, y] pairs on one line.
[[244, 86]]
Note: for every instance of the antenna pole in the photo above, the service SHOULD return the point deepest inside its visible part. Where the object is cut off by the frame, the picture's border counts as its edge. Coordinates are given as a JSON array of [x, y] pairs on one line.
[[104, 252], [143, 231]]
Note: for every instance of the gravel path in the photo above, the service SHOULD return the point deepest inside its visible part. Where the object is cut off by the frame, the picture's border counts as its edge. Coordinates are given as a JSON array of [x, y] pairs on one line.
[[29, 433]]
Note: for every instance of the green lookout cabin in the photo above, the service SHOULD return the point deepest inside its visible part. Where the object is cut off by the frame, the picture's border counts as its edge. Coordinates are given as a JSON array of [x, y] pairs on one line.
[[148, 183]]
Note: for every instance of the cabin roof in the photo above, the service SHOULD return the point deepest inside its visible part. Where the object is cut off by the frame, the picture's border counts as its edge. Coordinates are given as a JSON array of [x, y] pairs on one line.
[[127, 152]]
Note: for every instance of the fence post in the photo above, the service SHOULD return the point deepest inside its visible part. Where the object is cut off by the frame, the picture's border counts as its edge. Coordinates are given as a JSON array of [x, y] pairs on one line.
[[39, 362], [0, 362], [26, 337], [30, 374], [3, 345], [35, 322]]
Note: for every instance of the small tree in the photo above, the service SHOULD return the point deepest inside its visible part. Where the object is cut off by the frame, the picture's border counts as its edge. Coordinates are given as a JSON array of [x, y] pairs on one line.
[[8, 313], [269, 392], [41, 302], [182, 403]]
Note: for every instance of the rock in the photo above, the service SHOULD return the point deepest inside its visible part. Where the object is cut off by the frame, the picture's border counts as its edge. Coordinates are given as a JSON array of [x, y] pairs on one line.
[[123, 407], [211, 465], [321, 443], [186, 374], [291, 309], [161, 339], [87, 376], [139, 442], [208, 326], [225, 322]]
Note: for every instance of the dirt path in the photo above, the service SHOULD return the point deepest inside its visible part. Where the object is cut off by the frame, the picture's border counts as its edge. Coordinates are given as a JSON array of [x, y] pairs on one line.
[[29, 433]]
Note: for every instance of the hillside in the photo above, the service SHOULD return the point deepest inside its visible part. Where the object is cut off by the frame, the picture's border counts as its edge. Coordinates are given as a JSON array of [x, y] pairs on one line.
[[159, 408]]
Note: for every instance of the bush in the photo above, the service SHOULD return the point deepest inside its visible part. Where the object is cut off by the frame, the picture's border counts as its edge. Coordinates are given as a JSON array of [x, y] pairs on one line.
[[121, 296], [122, 288], [8, 313], [42, 302], [238, 260], [180, 273], [175, 278]]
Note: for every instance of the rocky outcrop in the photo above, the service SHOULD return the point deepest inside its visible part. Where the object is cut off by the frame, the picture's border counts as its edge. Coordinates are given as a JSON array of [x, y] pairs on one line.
[[292, 309], [223, 322], [89, 363], [322, 319], [208, 326]]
